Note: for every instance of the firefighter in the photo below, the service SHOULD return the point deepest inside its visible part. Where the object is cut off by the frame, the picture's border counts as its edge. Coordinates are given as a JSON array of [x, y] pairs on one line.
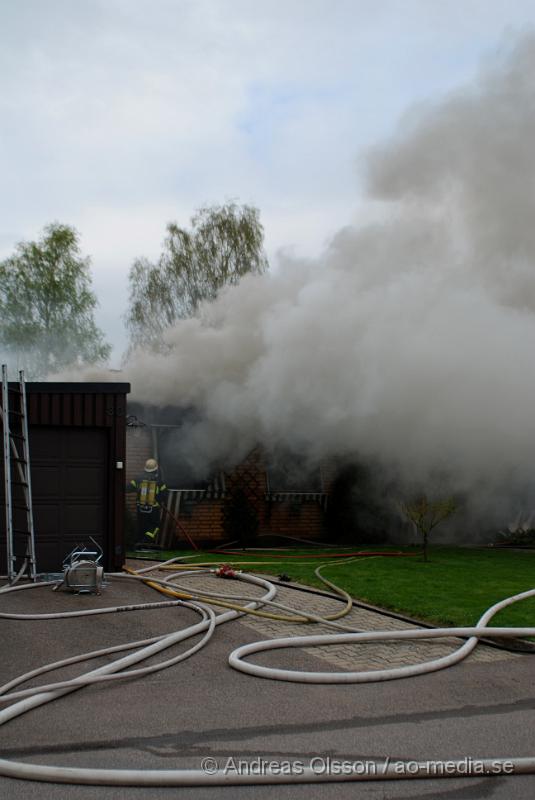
[[150, 495]]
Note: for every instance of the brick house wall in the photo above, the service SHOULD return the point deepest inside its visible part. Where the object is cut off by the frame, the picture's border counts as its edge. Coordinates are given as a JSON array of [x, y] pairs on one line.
[[300, 518], [138, 448], [202, 513], [202, 521]]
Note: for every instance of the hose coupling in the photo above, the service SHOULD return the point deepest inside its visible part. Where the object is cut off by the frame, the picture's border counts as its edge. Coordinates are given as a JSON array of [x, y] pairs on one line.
[[225, 571]]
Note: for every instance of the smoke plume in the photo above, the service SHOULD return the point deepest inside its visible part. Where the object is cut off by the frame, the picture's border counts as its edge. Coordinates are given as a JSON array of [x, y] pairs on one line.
[[410, 341]]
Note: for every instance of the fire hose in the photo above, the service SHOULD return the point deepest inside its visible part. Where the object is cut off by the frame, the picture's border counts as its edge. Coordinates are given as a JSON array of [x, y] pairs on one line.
[[26, 700]]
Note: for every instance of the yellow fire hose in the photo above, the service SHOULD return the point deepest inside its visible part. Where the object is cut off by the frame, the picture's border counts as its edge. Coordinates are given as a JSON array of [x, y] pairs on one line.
[[255, 612]]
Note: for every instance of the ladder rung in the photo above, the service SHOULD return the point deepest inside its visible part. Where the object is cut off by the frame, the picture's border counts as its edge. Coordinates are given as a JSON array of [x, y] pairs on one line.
[[17, 483]]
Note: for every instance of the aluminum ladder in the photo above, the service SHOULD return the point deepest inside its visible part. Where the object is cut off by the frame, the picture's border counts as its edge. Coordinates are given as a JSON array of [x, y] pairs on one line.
[[20, 535]]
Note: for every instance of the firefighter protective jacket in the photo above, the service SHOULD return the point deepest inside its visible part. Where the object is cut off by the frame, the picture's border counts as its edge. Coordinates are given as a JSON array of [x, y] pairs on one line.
[[150, 492]]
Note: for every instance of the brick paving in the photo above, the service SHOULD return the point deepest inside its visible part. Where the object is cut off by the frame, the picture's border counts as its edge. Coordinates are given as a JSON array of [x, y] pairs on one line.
[[365, 656]]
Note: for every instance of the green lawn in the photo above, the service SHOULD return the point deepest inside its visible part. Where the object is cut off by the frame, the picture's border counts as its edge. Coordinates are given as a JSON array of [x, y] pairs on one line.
[[453, 588]]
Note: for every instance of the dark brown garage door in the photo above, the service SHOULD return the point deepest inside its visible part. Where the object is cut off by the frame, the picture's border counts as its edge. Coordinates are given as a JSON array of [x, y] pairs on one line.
[[69, 468]]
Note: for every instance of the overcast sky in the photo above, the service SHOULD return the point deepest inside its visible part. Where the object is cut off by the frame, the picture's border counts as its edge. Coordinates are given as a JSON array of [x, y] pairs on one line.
[[120, 116]]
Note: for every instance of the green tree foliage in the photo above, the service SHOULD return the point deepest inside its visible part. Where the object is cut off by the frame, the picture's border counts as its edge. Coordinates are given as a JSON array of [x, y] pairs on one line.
[[223, 244], [47, 305], [426, 514]]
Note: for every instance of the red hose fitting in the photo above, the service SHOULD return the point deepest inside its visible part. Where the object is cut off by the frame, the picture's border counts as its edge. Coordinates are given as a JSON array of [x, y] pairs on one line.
[[225, 571]]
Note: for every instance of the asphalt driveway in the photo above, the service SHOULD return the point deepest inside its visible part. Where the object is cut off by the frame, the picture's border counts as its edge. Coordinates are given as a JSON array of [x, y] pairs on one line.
[[203, 709]]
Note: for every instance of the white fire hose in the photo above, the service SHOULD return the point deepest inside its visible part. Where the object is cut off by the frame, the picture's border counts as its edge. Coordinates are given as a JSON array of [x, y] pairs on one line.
[[26, 700]]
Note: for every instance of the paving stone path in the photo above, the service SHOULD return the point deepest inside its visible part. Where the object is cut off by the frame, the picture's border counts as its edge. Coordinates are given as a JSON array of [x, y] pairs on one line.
[[366, 656]]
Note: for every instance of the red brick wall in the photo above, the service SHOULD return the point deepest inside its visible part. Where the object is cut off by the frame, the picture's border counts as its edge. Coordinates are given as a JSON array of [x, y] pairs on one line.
[[138, 449], [203, 523], [294, 518], [203, 520]]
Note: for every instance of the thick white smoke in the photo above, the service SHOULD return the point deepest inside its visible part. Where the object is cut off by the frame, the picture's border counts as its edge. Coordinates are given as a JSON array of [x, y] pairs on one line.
[[411, 341]]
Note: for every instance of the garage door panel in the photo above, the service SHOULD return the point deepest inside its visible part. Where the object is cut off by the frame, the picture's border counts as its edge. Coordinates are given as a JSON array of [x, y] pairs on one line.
[[69, 543], [79, 518], [84, 482], [49, 557], [46, 480], [46, 519], [79, 446], [69, 469]]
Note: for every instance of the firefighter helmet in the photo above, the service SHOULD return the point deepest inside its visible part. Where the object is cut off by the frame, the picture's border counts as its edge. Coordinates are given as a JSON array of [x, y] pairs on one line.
[[151, 465]]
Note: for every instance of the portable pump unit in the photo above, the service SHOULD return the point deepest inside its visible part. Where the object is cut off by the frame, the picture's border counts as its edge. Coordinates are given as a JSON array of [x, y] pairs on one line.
[[82, 571]]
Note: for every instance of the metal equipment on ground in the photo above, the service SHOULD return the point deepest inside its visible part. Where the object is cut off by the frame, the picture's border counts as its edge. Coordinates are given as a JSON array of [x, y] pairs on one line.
[[82, 571]]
